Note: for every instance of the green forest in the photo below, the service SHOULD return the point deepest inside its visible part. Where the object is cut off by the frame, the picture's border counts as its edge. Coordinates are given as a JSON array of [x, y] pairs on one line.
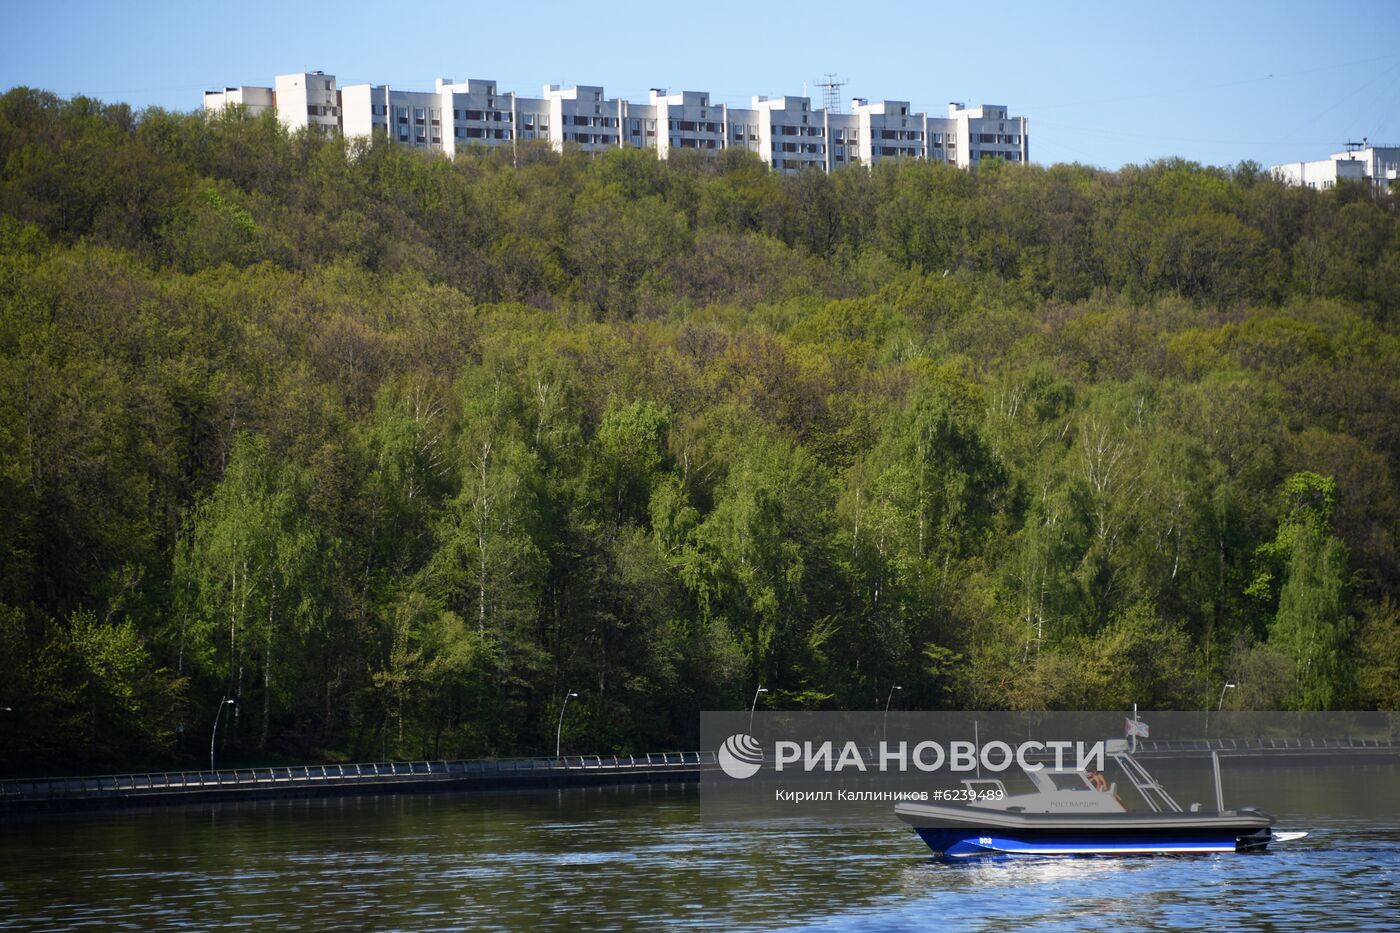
[[396, 451]]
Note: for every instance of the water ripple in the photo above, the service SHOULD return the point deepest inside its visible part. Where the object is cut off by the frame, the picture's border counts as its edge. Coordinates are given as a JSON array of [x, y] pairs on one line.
[[620, 858]]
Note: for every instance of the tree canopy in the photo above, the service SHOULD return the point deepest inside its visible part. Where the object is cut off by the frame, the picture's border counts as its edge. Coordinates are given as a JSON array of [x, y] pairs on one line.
[[397, 451]]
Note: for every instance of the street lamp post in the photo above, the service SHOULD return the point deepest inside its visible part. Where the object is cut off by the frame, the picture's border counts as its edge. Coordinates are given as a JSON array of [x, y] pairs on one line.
[[213, 735], [884, 723], [1218, 706], [761, 689], [559, 732]]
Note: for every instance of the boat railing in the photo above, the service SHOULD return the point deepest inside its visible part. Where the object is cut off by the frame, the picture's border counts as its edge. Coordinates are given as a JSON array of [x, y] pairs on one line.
[[1153, 793]]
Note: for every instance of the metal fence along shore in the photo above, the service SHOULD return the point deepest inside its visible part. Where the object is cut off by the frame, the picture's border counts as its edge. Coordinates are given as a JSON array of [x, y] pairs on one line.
[[366, 777], [20, 794]]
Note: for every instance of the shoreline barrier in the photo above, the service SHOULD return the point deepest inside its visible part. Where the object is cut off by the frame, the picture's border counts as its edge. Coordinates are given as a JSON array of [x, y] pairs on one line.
[[116, 790], [19, 795]]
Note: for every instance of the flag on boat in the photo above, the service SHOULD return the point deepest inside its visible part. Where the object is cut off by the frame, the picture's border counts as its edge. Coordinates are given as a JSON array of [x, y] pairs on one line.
[[1135, 727]]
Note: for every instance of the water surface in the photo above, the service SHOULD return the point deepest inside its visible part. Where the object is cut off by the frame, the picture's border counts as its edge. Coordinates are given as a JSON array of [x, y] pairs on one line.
[[637, 856]]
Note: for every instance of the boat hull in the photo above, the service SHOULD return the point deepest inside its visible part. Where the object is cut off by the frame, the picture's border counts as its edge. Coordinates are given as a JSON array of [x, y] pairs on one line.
[[958, 843], [961, 832]]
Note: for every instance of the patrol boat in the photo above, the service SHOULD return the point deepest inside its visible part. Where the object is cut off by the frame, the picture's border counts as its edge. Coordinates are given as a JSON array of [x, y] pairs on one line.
[[1078, 812]]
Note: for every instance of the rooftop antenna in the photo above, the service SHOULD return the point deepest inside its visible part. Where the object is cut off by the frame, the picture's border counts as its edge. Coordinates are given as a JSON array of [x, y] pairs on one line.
[[831, 92]]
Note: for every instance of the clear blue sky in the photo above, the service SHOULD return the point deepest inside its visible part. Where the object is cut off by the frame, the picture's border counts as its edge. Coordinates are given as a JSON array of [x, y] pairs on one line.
[[1102, 83]]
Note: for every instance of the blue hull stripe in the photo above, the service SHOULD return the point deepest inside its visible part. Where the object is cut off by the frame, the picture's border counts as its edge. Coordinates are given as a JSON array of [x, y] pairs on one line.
[[960, 844]]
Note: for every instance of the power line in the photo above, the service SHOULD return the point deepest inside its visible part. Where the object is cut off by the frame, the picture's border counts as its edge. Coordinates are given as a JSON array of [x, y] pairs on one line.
[[1197, 89], [1353, 95]]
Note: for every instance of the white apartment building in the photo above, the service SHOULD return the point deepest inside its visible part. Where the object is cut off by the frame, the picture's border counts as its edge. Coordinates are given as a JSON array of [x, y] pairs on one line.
[[683, 121], [254, 99], [791, 136], [307, 99], [785, 132], [1364, 162]]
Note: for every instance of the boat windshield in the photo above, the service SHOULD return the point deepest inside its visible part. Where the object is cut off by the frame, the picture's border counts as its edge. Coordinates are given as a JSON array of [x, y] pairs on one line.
[[1068, 780], [1047, 781]]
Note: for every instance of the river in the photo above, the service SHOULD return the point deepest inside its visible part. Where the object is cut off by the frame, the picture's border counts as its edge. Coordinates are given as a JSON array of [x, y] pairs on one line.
[[642, 855]]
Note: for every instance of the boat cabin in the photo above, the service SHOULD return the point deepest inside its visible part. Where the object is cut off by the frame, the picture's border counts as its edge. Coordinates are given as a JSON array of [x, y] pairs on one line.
[[1056, 791]]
